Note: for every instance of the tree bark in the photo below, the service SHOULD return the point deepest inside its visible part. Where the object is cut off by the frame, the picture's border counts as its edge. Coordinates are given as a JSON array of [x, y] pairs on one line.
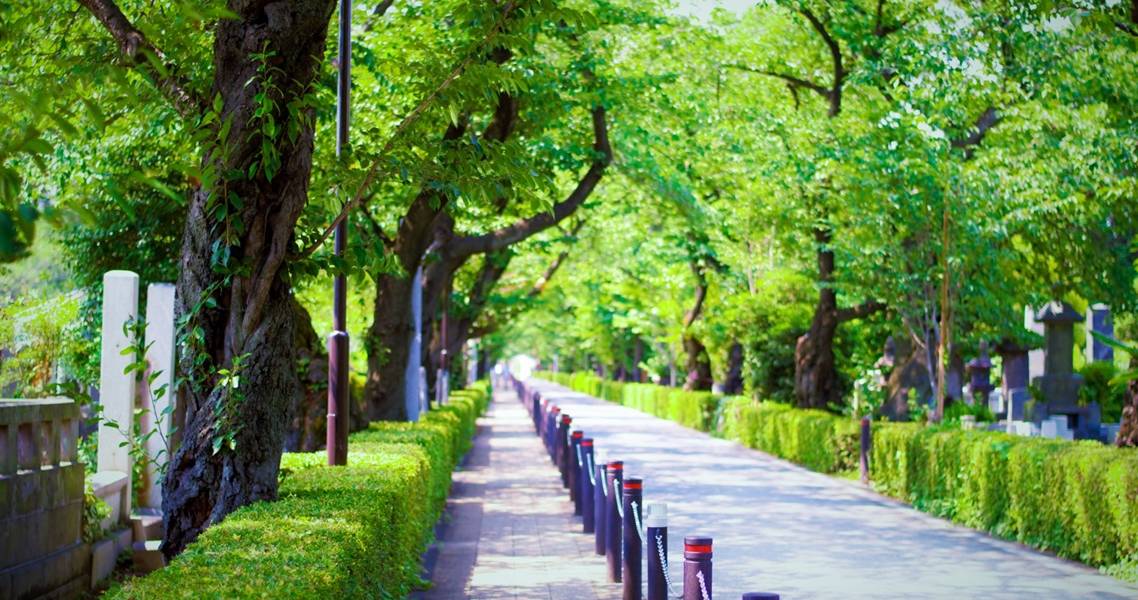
[[244, 315], [698, 364]]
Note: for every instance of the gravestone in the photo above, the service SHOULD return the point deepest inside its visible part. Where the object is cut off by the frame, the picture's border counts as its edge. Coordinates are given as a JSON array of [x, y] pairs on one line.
[[1059, 383], [116, 388], [1098, 320], [909, 372], [1014, 384]]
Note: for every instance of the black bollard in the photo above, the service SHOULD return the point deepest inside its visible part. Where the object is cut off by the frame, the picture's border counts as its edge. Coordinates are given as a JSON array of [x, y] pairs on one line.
[[632, 557], [613, 528], [551, 420], [600, 502], [535, 412], [760, 596], [575, 470], [563, 449], [656, 532], [697, 568], [585, 483], [866, 440]]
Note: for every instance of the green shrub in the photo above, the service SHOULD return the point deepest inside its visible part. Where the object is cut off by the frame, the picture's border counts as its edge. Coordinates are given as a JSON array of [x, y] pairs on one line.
[[336, 532]]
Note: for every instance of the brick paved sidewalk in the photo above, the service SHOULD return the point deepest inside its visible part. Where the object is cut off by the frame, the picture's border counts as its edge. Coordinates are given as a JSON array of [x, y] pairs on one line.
[[777, 527], [512, 533]]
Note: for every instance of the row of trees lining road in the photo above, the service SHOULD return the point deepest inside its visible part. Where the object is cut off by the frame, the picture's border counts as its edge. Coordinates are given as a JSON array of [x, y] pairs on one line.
[[195, 141], [759, 200], [883, 168]]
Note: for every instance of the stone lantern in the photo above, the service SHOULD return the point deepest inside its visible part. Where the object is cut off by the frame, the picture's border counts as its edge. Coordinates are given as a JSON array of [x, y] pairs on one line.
[[980, 373]]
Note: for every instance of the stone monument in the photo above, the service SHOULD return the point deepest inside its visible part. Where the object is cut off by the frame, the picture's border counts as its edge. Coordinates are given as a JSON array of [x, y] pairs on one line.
[[1059, 383], [1098, 321]]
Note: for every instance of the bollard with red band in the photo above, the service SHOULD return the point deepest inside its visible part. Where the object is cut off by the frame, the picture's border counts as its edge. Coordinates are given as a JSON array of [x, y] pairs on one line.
[[697, 568], [585, 483], [632, 555], [600, 503], [575, 469], [656, 537], [866, 442], [613, 529]]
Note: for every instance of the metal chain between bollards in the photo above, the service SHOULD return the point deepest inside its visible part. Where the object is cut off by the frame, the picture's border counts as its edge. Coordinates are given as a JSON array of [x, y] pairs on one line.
[[619, 502], [639, 527], [702, 585], [604, 488], [580, 463], [592, 474], [664, 566]]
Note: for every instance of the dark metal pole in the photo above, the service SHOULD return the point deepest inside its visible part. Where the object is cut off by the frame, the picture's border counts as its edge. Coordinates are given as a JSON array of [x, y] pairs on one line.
[[574, 459], [338, 400], [865, 446]]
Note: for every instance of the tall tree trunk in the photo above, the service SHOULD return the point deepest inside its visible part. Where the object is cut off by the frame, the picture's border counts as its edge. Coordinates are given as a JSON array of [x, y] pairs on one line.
[[815, 373], [698, 365], [242, 317]]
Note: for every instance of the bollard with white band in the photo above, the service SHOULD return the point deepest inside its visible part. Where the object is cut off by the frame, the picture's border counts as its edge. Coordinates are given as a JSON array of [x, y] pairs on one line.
[[697, 568], [656, 532], [613, 516], [574, 460], [600, 502], [632, 555], [562, 461], [585, 489]]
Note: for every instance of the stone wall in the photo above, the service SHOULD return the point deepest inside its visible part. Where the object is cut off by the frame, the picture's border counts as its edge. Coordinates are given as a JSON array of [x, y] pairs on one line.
[[42, 554]]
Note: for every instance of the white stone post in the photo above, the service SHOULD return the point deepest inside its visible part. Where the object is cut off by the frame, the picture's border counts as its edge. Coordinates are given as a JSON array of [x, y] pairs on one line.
[[116, 388], [1035, 358], [411, 379], [157, 411]]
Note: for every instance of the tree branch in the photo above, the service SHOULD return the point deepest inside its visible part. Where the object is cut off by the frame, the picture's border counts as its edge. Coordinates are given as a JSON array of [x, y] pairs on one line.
[[496, 240], [790, 80], [860, 311], [374, 170], [146, 57], [984, 123], [836, 55], [551, 270], [377, 13]]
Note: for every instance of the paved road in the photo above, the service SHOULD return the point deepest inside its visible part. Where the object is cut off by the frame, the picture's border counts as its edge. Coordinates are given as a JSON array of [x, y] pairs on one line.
[[777, 527]]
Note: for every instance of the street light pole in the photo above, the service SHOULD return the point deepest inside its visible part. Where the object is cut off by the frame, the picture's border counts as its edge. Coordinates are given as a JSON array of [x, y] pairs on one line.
[[338, 394]]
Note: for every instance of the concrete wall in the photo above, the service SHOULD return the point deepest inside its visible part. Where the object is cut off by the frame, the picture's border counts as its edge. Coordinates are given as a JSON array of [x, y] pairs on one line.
[[42, 554]]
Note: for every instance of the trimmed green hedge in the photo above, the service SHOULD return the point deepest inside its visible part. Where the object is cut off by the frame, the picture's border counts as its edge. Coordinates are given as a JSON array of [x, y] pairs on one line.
[[342, 532], [1076, 499]]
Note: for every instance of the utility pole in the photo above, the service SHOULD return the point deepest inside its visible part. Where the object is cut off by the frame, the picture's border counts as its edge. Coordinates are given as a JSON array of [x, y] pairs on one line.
[[339, 409]]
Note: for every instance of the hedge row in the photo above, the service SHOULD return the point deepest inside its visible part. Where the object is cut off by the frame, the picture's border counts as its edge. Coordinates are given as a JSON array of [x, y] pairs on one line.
[[342, 532], [1076, 499]]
